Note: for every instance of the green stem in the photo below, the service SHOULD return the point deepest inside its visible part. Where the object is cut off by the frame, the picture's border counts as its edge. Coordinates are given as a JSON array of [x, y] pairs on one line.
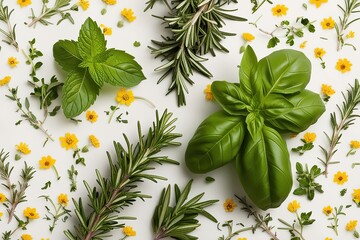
[[56, 172], [113, 112], [146, 100]]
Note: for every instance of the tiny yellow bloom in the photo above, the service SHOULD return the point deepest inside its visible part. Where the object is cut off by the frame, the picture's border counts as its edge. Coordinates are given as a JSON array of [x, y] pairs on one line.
[[63, 199], [279, 10], [229, 205], [318, 2], [327, 90], [69, 141], [5, 80], [328, 23], [129, 231], [128, 14], [351, 34], [26, 237], [110, 2], [124, 97], [2, 198], [94, 141], [46, 162], [248, 37], [293, 206], [23, 148], [354, 144], [343, 65], [1, 214], [327, 210], [351, 225], [12, 62], [340, 178], [31, 213], [91, 116], [309, 137], [84, 4], [208, 94], [23, 3], [303, 44], [106, 30], [356, 195], [328, 238], [242, 239], [319, 52]]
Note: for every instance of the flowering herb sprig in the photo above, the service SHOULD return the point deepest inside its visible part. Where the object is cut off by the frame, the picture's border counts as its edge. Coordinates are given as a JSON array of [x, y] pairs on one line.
[[9, 33], [47, 12], [351, 7], [229, 225], [354, 145], [180, 220], [119, 189], [58, 211], [306, 180], [196, 30], [16, 191], [257, 4], [29, 214], [308, 141], [335, 218], [347, 118]]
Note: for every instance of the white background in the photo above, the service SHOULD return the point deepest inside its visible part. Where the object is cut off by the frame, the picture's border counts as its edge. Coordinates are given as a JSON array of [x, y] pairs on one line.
[[223, 67]]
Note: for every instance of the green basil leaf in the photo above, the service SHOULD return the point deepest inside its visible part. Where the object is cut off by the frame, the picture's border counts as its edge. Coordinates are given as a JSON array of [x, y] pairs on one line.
[[247, 72], [228, 96], [215, 143], [285, 71], [275, 105], [66, 54], [91, 41], [79, 93], [254, 122], [308, 107], [264, 168]]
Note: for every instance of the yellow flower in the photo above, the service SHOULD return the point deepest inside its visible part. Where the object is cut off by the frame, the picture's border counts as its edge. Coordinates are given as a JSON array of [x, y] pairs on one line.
[[340, 178], [2, 198], [303, 44], [319, 52], [279, 10], [124, 97], [242, 239], [31, 213], [94, 141], [12, 62], [343, 65], [229, 205], [128, 231], [106, 30], [84, 4], [91, 116], [328, 23], [351, 225], [46, 162], [328, 238], [327, 90], [351, 34], [26, 237], [248, 37], [128, 14], [327, 210], [309, 137], [5, 80], [318, 2], [354, 144], [63, 199], [69, 141], [23, 3], [356, 195], [110, 2], [208, 94], [293, 206], [23, 148], [1, 214]]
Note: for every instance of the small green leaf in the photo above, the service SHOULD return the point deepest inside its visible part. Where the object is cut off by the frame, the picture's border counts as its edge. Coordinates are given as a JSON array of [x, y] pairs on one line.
[[273, 42], [91, 41]]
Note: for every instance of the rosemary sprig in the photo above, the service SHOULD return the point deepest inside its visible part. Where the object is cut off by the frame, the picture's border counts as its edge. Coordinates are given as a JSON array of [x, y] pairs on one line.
[[195, 26], [262, 222], [119, 189], [180, 220], [59, 8], [257, 4], [351, 7], [231, 234], [16, 191], [347, 118], [9, 33], [335, 218], [59, 211], [306, 180]]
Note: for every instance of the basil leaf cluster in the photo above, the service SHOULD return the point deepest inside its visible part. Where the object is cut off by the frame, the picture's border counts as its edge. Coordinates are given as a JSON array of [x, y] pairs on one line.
[[269, 100], [89, 65]]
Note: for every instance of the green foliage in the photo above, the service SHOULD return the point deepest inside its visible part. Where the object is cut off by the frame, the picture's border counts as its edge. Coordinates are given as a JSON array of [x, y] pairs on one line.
[[306, 179], [9, 33], [58, 212], [338, 211], [257, 4], [303, 148], [303, 220], [89, 65]]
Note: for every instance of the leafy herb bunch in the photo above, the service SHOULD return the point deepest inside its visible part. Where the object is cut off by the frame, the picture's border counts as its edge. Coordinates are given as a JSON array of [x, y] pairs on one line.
[[89, 65]]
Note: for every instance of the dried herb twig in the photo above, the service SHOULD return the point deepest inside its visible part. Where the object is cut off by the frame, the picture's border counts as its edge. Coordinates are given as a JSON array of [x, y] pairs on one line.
[[10, 32]]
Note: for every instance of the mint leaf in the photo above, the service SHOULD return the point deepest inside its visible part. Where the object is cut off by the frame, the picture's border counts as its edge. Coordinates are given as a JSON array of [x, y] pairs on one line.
[[66, 54], [91, 41], [79, 93]]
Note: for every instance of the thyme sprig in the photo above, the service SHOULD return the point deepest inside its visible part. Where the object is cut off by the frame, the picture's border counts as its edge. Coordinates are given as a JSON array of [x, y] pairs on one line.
[[351, 7], [9, 33], [72, 173], [195, 27], [229, 225], [119, 189], [335, 219], [16, 191], [347, 118], [59, 8], [21, 225], [262, 222], [59, 212], [297, 227], [180, 220], [306, 179], [257, 4]]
